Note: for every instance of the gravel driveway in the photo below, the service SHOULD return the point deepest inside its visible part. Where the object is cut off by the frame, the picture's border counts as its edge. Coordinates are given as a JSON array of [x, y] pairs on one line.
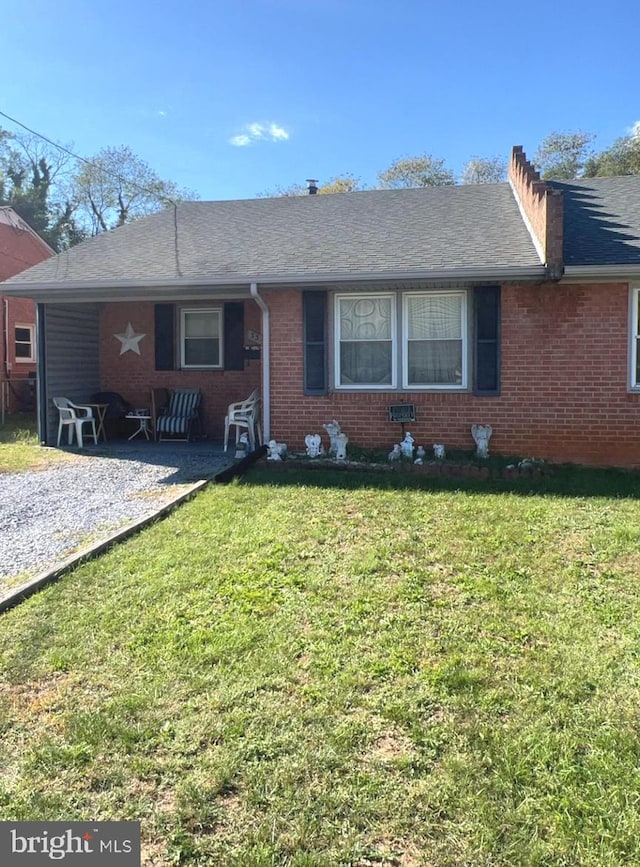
[[45, 514]]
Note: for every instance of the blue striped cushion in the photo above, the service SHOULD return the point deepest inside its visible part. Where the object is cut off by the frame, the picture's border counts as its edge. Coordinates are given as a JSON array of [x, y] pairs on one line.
[[183, 408]]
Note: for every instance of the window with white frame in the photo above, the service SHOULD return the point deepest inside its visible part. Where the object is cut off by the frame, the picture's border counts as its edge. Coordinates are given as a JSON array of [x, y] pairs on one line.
[[434, 344], [635, 339], [365, 328], [201, 337], [25, 343], [427, 340]]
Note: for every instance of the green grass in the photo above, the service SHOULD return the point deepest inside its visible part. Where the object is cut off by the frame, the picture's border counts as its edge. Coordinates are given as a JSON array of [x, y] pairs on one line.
[[344, 670], [19, 447]]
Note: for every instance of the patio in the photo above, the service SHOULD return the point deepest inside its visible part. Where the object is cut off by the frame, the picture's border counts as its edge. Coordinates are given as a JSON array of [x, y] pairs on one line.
[[184, 462]]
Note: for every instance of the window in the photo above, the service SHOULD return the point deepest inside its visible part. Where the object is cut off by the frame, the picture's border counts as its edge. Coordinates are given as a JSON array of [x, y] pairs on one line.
[[423, 334], [635, 339], [201, 337], [25, 343], [365, 341], [434, 346]]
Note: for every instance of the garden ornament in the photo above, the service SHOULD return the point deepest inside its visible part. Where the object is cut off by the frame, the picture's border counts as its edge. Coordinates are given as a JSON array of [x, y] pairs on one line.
[[242, 446], [313, 442], [333, 429], [341, 446], [481, 434], [276, 450], [407, 446]]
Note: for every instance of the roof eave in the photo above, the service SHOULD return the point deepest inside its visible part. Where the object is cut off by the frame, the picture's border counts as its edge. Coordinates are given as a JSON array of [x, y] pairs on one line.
[[113, 290]]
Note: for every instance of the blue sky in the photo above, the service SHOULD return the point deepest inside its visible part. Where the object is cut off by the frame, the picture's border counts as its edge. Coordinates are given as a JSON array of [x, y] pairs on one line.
[[232, 98]]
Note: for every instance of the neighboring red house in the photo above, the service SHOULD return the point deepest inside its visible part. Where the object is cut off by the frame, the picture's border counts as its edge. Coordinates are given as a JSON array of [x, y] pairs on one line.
[[515, 305], [20, 248]]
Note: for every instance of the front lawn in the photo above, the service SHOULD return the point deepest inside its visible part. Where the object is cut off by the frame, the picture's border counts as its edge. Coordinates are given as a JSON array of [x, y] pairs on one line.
[[19, 447], [352, 673]]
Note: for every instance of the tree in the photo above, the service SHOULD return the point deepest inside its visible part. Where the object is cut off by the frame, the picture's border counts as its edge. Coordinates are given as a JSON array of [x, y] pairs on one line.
[[420, 171], [484, 170], [116, 187], [563, 155], [339, 184], [31, 170], [622, 158]]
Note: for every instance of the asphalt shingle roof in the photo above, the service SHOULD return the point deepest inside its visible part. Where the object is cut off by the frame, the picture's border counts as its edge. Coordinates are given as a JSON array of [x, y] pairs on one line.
[[601, 220], [368, 232]]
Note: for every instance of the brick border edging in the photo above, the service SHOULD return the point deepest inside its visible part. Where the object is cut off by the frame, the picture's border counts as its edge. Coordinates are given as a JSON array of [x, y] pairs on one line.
[[433, 469], [42, 579]]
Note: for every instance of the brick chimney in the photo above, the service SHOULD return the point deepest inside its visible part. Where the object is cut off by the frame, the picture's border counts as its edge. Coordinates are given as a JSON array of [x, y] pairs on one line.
[[542, 209]]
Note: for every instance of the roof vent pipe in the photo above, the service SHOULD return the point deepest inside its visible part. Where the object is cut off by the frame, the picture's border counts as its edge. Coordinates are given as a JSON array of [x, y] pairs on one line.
[[313, 186]]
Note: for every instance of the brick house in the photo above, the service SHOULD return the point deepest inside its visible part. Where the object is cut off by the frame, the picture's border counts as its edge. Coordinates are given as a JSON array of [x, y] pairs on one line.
[[513, 304], [20, 248]]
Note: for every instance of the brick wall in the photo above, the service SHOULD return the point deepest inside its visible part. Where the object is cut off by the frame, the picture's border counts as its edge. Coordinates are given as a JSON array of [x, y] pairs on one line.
[[564, 383], [133, 376]]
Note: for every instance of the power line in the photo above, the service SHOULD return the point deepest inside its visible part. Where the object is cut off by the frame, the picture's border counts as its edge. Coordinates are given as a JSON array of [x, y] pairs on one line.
[[78, 157]]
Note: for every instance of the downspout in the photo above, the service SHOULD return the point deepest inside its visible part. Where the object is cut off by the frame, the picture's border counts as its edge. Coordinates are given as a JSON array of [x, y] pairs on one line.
[[266, 362], [41, 381], [6, 337], [5, 331]]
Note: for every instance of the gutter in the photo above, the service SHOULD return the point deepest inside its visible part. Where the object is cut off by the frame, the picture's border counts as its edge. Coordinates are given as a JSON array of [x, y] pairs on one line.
[[601, 272], [114, 289], [266, 363]]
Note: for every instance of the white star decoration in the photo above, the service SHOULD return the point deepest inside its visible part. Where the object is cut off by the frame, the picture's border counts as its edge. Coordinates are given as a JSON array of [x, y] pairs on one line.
[[129, 340]]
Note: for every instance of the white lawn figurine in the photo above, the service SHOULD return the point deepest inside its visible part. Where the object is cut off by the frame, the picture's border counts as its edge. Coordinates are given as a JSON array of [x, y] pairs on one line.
[[396, 453], [242, 446], [341, 446], [313, 442], [276, 450], [481, 434], [333, 429], [420, 452], [407, 446], [439, 452]]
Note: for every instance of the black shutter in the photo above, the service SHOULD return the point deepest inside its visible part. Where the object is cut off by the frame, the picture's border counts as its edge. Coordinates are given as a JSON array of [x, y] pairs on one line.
[[314, 318], [486, 331], [164, 336], [234, 336]]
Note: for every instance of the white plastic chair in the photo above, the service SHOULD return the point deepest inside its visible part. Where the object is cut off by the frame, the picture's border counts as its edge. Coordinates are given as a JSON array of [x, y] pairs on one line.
[[74, 417], [244, 414]]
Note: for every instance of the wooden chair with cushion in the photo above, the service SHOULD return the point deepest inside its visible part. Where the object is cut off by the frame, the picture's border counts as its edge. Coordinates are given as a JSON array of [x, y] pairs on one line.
[[181, 415]]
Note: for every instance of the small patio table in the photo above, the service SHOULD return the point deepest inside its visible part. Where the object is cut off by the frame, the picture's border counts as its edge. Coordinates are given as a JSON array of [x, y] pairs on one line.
[[143, 424], [100, 412]]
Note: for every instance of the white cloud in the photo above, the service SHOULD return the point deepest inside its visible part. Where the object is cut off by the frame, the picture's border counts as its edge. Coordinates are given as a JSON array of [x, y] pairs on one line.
[[256, 132], [635, 129], [240, 141], [162, 113], [278, 133]]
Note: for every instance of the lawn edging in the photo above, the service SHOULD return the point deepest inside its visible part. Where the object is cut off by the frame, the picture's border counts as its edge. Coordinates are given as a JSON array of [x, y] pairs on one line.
[[42, 579]]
